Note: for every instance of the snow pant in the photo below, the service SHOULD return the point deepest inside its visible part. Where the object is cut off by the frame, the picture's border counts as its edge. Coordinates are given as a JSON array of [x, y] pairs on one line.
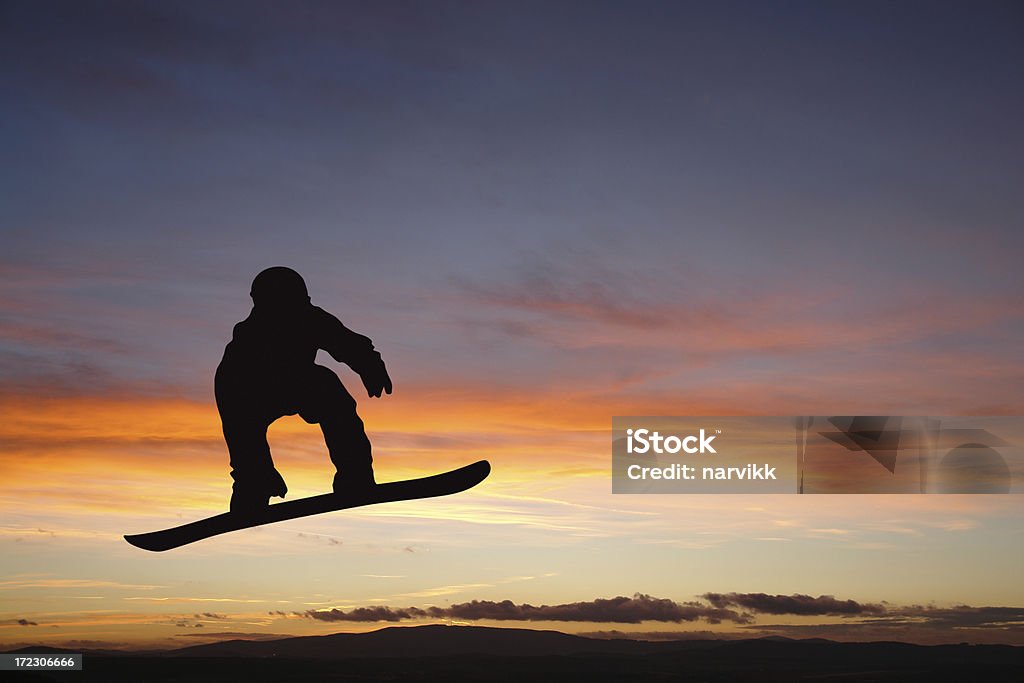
[[248, 407]]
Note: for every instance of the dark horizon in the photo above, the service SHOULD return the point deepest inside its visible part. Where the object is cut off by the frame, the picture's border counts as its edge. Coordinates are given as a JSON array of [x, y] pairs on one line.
[[456, 653]]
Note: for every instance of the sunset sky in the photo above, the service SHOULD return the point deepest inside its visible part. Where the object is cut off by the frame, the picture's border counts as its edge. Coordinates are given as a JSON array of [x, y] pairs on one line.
[[544, 215]]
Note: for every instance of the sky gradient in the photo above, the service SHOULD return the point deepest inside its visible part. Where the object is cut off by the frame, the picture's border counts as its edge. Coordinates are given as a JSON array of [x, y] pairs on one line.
[[543, 216]]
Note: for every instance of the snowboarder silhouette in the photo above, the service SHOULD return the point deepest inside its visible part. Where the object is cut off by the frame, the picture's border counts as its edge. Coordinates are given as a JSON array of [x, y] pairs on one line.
[[269, 371]]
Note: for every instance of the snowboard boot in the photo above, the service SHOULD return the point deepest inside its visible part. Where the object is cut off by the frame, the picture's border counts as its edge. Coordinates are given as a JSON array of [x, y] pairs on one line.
[[354, 482], [251, 494]]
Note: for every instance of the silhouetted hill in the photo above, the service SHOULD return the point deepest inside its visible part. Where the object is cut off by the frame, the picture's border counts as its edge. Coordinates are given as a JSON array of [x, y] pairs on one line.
[[421, 641]]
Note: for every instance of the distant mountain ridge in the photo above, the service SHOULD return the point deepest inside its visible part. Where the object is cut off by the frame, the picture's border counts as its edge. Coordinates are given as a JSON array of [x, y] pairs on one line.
[[419, 641]]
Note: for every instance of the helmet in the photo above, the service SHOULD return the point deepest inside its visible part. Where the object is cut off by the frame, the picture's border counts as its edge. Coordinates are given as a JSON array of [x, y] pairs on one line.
[[279, 287]]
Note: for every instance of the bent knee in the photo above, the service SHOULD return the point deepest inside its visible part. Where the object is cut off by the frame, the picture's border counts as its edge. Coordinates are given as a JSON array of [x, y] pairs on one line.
[[326, 396]]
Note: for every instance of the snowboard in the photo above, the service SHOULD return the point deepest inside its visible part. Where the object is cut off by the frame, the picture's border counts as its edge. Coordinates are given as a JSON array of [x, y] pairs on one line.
[[443, 484]]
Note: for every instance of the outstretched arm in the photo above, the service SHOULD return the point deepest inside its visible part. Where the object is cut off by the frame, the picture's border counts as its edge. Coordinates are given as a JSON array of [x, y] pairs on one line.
[[353, 349]]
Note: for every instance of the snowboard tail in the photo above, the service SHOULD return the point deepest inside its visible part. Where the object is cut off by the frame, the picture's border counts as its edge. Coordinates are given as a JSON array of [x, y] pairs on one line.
[[443, 484]]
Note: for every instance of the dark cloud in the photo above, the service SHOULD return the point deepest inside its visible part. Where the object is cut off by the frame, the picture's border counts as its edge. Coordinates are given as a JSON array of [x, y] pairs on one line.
[[369, 614], [871, 620], [793, 604], [623, 610], [615, 610], [26, 622], [917, 624], [960, 617]]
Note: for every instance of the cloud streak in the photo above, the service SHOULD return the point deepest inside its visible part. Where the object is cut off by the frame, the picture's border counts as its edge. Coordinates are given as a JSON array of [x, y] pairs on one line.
[[858, 620], [623, 610], [71, 583], [797, 604], [918, 624]]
